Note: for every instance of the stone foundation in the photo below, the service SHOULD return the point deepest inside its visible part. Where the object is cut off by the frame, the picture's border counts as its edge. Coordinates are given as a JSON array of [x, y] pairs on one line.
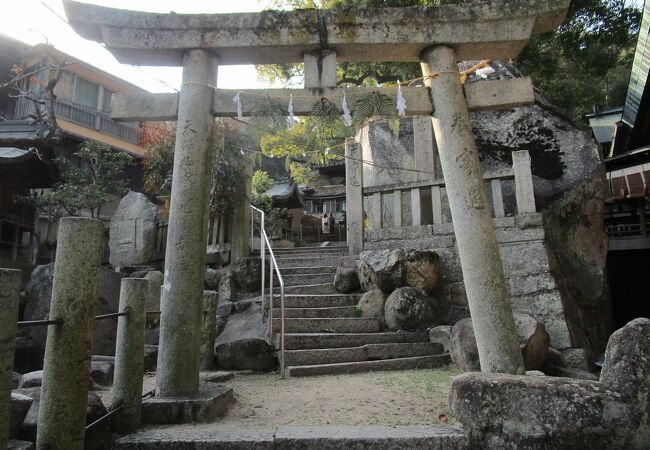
[[527, 262]]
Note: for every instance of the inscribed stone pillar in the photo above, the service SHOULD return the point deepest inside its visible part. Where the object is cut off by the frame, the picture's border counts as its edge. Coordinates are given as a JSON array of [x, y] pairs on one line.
[[241, 217], [9, 291], [487, 292], [354, 196], [64, 393], [129, 354], [209, 329], [182, 294]]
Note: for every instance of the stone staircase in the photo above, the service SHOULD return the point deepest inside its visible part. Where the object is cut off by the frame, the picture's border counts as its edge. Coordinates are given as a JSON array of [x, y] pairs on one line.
[[323, 332]]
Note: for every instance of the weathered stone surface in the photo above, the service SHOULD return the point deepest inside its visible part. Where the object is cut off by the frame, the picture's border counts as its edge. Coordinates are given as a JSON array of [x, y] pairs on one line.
[[224, 309], [20, 405], [242, 343], [441, 335], [38, 293], [133, 231], [31, 379], [15, 380], [156, 279], [372, 304], [150, 357], [578, 374], [508, 411], [96, 439], [382, 269], [152, 336], [421, 268], [213, 277], [410, 309], [210, 402], [462, 346], [16, 444], [346, 280], [627, 371], [533, 342], [247, 273], [101, 372], [227, 289], [579, 358], [37, 307]]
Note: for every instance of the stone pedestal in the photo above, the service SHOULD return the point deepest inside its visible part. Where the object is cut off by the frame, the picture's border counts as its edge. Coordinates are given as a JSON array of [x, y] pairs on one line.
[[9, 290], [182, 293], [487, 292], [209, 403], [64, 393]]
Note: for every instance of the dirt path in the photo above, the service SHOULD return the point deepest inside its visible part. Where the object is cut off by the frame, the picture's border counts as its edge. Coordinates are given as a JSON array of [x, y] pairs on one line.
[[410, 397]]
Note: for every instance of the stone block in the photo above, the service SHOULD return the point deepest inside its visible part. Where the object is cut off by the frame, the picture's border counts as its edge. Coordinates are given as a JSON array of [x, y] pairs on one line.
[[579, 358], [31, 379], [212, 401], [441, 335], [101, 372]]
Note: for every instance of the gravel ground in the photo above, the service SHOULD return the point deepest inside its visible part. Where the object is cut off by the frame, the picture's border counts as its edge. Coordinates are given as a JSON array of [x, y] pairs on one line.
[[410, 397]]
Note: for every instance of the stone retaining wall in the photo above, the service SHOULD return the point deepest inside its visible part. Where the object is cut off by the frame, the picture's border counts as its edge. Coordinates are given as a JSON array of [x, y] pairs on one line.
[[527, 262]]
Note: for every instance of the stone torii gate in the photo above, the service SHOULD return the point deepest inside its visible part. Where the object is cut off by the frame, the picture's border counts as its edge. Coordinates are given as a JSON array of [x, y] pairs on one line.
[[437, 37]]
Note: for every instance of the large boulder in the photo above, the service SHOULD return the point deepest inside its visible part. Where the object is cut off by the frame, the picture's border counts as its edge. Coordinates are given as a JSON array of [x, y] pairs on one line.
[[372, 304], [533, 342], [37, 307], [421, 269], [247, 273], [242, 343], [227, 289], [509, 411], [133, 231], [31, 379], [38, 292], [410, 309], [346, 280], [627, 371], [462, 346], [382, 269]]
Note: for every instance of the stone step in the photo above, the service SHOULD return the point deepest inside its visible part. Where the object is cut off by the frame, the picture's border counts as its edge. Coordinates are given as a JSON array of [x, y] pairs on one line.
[[305, 279], [417, 362], [321, 288], [329, 437], [307, 269], [317, 313], [317, 300], [301, 341], [327, 325], [368, 352], [326, 249], [292, 262]]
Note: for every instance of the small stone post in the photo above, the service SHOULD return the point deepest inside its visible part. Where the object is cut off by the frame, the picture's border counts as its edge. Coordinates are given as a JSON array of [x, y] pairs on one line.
[[209, 329], [485, 284], [524, 191], [129, 355], [9, 291], [180, 321], [354, 196], [64, 394]]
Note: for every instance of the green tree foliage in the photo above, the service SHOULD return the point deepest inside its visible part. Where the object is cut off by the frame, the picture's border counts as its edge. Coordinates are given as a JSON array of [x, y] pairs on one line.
[[275, 218], [89, 180], [585, 62], [226, 160]]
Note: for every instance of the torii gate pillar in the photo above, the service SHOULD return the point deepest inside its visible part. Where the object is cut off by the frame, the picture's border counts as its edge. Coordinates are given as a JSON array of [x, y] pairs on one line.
[[485, 284], [182, 293]]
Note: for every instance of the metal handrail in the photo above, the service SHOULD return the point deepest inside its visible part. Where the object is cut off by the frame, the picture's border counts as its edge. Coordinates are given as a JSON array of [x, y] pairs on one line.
[[264, 241]]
